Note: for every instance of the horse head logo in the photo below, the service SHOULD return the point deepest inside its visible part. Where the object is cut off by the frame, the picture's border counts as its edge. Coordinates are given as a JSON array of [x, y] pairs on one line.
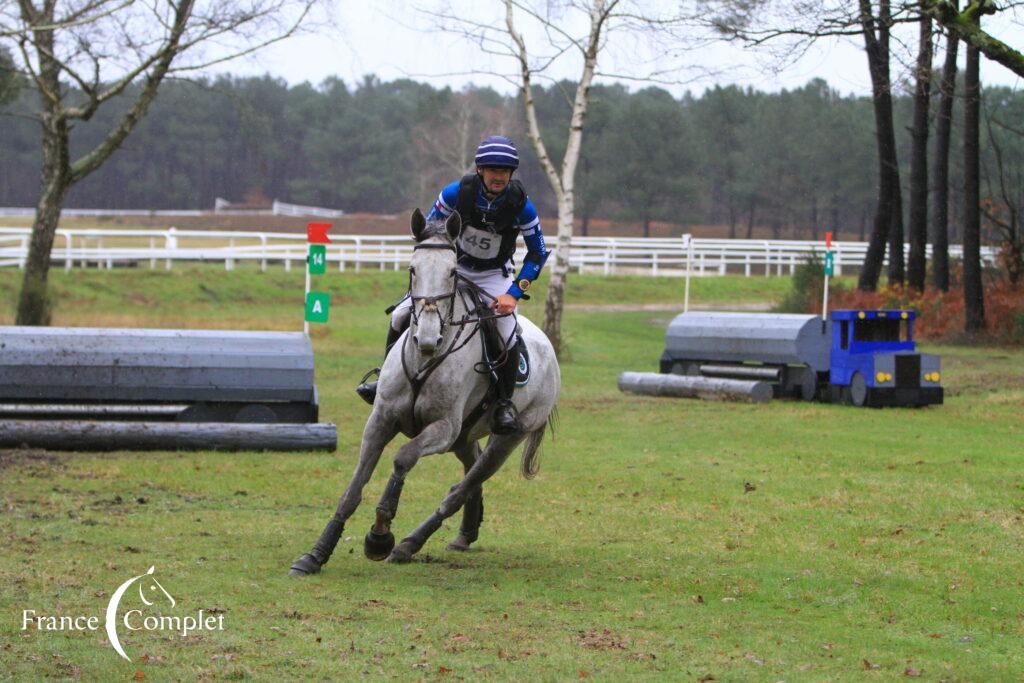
[[150, 591]]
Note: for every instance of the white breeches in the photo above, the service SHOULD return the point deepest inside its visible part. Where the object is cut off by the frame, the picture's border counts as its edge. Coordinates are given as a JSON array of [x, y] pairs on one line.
[[491, 281]]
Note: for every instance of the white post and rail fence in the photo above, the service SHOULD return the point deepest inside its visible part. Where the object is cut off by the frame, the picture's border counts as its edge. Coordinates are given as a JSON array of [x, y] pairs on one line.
[[675, 256]]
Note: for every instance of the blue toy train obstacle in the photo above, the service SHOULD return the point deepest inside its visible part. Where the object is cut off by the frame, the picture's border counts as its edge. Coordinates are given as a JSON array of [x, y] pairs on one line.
[[859, 357]]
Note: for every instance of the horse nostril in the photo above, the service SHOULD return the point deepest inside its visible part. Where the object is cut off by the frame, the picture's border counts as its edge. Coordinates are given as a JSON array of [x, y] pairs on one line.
[[438, 342], [415, 339]]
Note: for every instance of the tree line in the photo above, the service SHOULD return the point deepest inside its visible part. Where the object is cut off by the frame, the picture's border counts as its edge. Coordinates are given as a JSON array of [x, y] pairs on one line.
[[797, 161]]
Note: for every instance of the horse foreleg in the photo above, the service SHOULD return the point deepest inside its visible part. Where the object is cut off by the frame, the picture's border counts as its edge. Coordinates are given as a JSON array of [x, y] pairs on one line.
[[436, 437], [376, 435], [489, 462], [473, 510]]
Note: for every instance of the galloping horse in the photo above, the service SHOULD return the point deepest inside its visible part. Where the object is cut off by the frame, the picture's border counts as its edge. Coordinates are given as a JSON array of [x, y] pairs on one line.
[[432, 390]]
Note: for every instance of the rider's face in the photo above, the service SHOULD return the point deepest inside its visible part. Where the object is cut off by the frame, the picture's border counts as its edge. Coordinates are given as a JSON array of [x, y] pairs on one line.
[[495, 179]]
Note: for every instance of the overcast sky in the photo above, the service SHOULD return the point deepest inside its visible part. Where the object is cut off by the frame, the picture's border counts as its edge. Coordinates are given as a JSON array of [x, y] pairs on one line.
[[392, 40]]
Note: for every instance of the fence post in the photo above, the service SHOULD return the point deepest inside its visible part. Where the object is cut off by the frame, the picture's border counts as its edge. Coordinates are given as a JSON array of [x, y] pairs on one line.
[[721, 263], [839, 261], [767, 259], [170, 244], [152, 248], [263, 252], [24, 253], [746, 266], [689, 271], [654, 264], [359, 254], [68, 243]]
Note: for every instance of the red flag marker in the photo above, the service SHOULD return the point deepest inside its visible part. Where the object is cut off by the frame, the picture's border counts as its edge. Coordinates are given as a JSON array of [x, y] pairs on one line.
[[316, 233], [828, 240]]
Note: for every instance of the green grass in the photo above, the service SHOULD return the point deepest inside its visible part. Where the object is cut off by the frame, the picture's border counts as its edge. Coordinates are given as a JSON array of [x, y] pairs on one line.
[[874, 538]]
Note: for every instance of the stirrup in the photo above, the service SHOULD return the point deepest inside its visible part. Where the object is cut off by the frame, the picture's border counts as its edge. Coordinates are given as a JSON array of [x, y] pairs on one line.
[[510, 424], [368, 390]]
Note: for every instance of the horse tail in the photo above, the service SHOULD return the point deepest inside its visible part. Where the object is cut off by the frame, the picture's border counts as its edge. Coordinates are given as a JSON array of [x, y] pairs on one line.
[[529, 465]]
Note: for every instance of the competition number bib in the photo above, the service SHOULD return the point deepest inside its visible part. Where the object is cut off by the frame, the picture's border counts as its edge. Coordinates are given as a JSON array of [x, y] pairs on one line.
[[479, 243]]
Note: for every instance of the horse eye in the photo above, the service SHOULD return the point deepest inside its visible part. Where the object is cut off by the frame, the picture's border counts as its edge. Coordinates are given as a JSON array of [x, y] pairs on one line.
[[411, 269]]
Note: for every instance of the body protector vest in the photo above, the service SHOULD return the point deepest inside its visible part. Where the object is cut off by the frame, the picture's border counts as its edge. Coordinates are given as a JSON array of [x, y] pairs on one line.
[[488, 239]]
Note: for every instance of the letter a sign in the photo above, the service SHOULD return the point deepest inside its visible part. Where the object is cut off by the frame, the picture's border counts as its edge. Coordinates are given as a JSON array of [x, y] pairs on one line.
[[317, 306]]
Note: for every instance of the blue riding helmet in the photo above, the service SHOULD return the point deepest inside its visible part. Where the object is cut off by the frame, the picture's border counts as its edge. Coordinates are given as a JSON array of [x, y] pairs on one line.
[[497, 151]]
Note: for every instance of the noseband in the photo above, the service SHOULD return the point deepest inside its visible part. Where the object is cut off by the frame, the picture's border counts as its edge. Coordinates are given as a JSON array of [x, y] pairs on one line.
[[430, 302]]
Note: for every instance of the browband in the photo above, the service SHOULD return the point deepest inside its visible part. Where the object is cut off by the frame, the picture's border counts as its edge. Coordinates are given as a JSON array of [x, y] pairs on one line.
[[433, 245]]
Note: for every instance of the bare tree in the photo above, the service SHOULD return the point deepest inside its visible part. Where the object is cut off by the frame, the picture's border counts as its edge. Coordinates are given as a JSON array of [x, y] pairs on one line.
[[974, 294], [967, 25], [1005, 202], [918, 227], [440, 157], [584, 29], [80, 55], [940, 170], [796, 26]]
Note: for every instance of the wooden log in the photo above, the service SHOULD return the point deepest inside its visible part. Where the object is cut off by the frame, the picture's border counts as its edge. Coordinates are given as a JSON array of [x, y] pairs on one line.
[[752, 372], [709, 388], [85, 435]]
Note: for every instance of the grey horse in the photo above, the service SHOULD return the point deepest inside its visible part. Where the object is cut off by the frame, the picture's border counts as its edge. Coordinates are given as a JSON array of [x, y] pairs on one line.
[[430, 390]]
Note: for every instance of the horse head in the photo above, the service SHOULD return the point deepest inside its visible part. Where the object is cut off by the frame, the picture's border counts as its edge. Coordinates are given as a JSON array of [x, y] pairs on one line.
[[150, 589], [432, 278]]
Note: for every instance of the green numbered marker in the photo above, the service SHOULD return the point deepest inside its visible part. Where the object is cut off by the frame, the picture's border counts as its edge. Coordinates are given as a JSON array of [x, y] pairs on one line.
[[317, 306], [829, 263], [317, 259]]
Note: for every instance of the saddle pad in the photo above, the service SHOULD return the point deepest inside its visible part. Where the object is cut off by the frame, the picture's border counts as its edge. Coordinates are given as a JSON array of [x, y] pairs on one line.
[[523, 372]]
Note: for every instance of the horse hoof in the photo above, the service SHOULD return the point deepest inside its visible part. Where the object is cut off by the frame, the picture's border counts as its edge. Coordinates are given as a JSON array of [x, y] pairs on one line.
[[400, 555], [304, 566], [461, 544], [377, 546]]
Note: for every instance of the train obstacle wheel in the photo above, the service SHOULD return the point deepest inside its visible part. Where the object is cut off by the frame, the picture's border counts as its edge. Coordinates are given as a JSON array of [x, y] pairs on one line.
[[807, 382], [857, 392]]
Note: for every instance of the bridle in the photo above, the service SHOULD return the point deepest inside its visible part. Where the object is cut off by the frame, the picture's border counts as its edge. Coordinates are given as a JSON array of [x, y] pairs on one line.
[[461, 286], [429, 303]]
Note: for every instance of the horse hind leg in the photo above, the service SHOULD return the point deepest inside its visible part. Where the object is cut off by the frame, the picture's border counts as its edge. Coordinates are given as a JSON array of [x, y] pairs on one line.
[[473, 510], [490, 461], [376, 435]]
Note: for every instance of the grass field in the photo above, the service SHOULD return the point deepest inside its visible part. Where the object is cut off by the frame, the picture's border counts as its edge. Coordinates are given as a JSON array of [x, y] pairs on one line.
[[875, 544]]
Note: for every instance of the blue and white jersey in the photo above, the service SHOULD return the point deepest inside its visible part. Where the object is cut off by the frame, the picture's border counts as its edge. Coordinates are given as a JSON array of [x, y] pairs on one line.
[[527, 222]]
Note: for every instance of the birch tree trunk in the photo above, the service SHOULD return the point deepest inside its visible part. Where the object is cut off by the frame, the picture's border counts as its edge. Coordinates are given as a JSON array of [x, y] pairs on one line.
[[562, 183]]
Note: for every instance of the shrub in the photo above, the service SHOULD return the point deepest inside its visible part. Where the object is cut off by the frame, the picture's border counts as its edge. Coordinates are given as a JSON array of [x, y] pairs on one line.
[[940, 315], [805, 292]]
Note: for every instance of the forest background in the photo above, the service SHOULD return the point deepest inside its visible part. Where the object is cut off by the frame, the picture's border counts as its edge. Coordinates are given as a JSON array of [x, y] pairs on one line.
[[792, 163]]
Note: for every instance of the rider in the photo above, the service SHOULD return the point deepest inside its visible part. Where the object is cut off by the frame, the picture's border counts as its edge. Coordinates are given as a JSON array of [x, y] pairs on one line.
[[494, 209]]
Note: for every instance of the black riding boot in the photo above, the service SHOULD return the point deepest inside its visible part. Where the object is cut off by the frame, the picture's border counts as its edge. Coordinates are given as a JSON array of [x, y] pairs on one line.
[[506, 417], [368, 390]]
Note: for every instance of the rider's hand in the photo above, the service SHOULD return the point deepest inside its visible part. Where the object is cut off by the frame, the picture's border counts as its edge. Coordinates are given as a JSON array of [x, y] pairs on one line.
[[504, 303]]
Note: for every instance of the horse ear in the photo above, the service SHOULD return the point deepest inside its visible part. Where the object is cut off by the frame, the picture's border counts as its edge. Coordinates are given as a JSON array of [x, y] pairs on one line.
[[418, 224], [453, 226]]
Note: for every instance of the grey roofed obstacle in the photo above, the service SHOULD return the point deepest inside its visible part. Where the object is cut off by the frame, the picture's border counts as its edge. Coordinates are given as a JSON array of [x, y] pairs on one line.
[[777, 339], [218, 377], [67, 363]]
